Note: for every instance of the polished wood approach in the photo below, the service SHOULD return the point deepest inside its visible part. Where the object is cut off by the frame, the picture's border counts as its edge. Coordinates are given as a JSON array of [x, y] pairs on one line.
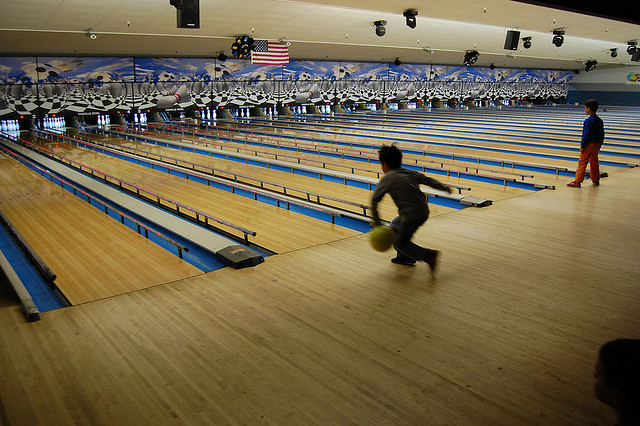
[[93, 255], [508, 333]]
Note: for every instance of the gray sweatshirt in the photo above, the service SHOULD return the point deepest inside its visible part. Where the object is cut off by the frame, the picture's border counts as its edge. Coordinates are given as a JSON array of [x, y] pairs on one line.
[[403, 185]]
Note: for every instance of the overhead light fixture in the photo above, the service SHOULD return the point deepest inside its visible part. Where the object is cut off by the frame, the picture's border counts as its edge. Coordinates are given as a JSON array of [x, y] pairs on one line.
[[89, 33], [558, 37], [633, 50], [397, 62], [242, 47], [380, 29], [613, 52], [222, 57], [526, 42], [410, 14], [470, 57], [590, 65]]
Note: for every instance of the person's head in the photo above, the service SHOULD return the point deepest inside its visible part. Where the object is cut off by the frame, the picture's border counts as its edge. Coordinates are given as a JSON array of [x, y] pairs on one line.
[[390, 157], [617, 376], [590, 106]]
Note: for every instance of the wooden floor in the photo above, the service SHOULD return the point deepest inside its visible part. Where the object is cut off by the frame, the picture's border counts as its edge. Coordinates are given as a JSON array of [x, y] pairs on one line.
[[335, 334], [92, 255]]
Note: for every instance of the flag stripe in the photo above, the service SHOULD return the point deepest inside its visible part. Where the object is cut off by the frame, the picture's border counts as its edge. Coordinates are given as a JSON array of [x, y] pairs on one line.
[[271, 54]]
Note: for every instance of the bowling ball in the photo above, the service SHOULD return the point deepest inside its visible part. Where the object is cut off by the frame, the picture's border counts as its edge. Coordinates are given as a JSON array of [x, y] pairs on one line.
[[381, 238]]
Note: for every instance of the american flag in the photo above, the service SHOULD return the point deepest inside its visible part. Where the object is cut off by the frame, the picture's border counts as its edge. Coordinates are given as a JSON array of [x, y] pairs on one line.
[[269, 53]]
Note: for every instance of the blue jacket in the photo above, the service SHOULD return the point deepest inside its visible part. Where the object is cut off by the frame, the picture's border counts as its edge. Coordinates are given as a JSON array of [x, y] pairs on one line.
[[592, 131]]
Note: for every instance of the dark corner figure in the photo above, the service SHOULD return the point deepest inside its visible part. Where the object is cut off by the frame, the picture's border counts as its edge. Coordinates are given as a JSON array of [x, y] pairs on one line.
[[592, 139], [617, 379], [403, 185]]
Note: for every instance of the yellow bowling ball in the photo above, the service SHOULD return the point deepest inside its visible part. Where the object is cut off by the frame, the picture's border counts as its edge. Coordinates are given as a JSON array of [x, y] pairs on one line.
[[381, 238]]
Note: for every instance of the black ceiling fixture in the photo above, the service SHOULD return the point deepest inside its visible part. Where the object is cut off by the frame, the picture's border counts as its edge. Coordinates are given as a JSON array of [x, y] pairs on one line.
[[590, 65], [526, 42], [558, 37], [632, 47], [380, 29], [187, 13], [470, 57], [492, 67], [397, 62], [242, 47], [613, 52], [633, 50], [222, 57], [410, 14]]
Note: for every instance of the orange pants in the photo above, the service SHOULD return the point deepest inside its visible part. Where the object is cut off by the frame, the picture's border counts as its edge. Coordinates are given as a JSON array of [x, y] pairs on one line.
[[589, 155]]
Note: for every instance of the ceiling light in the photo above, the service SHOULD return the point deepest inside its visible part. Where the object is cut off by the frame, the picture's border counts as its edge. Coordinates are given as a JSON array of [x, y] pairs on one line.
[[380, 29], [526, 42], [89, 33], [613, 52], [470, 57], [558, 37], [590, 65], [242, 47], [410, 14]]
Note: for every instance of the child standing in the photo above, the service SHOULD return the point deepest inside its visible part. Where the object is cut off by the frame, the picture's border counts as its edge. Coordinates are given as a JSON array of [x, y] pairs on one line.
[[403, 185], [592, 139]]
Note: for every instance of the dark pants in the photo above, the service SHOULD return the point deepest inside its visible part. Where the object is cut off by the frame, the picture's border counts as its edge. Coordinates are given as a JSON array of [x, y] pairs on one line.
[[402, 233]]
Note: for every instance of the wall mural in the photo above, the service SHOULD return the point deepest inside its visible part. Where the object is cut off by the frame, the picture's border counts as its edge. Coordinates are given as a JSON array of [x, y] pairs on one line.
[[91, 85]]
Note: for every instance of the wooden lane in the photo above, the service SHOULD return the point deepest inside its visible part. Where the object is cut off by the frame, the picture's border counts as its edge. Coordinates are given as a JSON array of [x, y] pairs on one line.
[[337, 190], [480, 189], [93, 255], [490, 125], [278, 229], [453, 139], [540, 154]]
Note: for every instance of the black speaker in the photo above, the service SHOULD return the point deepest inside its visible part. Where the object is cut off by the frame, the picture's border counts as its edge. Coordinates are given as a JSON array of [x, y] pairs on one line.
[[636, 55], [511, 42], [189, 14]]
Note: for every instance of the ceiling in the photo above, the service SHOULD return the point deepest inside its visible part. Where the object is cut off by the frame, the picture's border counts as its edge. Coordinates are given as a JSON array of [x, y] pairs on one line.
[[333, 30]]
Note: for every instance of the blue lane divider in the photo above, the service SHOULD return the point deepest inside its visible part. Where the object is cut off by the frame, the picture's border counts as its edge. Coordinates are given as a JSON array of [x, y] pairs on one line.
[[318, 213], [529, 134], [44, 298], [456, 145], [488, 179], [467, 138]]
